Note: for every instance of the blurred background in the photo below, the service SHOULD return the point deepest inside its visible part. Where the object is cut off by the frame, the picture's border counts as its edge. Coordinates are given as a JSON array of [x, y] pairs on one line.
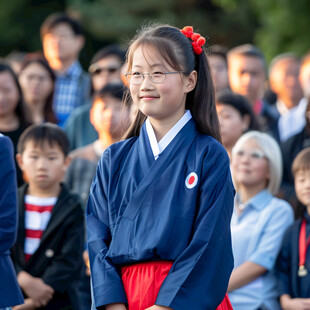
[[275, 26]]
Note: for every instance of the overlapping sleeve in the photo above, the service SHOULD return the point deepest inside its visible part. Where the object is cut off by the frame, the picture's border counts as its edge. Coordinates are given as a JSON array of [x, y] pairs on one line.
[[199, 276], [107, 285], [8, 197]]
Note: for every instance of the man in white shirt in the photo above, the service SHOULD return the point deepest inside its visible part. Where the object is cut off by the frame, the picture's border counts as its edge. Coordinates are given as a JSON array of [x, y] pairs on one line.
[[284, 82]]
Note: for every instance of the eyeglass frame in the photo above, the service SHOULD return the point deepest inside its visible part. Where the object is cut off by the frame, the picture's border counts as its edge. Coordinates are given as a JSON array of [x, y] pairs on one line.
[[260, 154], [150, 74]]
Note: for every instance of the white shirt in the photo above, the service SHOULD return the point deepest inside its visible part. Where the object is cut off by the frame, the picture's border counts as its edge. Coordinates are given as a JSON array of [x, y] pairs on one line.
[[291, 121], [158, 147]]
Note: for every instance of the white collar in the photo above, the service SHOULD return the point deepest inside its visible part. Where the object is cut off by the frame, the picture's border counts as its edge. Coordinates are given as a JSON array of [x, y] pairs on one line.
[[158, 147], [283, 109]]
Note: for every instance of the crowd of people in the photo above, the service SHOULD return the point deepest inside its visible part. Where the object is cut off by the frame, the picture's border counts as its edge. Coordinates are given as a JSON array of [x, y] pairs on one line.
[[65, 128]]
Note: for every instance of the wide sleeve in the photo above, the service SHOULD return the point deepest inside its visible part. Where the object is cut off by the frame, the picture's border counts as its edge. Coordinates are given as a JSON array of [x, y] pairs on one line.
[[67, 264], [199, 276], [106, 280], [8, 196], [283, 265]]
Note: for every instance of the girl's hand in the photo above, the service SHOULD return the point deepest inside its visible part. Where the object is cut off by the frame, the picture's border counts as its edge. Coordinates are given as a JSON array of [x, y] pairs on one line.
[[288, 303], [155, 307], [28, 305], [115, 307]]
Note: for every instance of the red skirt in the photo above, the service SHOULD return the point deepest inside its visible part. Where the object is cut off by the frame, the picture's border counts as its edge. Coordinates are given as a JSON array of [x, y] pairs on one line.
[[142, 282]]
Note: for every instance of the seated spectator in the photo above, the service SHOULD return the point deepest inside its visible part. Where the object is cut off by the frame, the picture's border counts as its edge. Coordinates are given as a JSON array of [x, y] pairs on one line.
[[10, 293], [111, 120], [247, 76], [14, 116], [63, 39], [290, 148], [37, 80], [218, 63], [258, 223], [235, 116], [105, 67], [294, 261], [284, 82], [48, 251]]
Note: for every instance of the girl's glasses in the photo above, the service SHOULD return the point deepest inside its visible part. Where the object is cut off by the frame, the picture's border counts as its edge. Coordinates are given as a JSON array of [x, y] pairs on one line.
[[157, 77], [253, 154]]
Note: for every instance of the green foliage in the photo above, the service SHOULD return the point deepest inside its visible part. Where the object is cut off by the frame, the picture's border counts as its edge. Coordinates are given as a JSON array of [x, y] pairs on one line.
[[282, 24]]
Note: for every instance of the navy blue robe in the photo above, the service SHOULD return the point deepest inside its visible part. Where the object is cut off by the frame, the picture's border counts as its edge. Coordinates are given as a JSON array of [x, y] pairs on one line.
[[140, 209]]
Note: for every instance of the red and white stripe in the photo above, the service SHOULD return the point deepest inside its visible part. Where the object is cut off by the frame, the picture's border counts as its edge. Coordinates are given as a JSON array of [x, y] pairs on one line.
[[37, 215]]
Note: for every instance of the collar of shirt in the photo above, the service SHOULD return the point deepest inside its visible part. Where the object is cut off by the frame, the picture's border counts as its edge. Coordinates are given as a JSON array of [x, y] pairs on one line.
[[283, 109], [158, 147], [259, 201], [74, 71]]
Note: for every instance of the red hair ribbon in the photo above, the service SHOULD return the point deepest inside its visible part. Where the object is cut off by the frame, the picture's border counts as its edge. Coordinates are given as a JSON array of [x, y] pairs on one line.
[[198, 40]]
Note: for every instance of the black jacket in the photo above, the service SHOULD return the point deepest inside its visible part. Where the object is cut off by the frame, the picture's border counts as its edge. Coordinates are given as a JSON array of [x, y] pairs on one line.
[[58, 259]]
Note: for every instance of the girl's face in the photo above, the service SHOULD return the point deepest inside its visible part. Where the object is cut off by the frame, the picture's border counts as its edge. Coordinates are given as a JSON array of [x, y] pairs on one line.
[[36, 83], [302, 186], [250, 166], [163, 102], [232, 124], [9, 95]]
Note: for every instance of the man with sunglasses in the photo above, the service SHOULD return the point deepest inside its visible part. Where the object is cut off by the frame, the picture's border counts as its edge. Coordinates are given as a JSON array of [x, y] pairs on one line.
[[105, 67]]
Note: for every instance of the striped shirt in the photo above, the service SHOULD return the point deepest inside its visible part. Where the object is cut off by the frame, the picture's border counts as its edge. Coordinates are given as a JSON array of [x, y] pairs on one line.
[[37, 215]]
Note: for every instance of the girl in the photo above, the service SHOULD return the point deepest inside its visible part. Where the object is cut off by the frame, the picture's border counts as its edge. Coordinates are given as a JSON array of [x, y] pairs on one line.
[[258, 223], [236, 117], [14, 118], [160, 205], [37, 82], [293, 263]]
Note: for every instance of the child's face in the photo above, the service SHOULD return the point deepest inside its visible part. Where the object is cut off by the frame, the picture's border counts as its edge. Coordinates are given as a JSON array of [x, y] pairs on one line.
[[302, 187], [108, 115], [164, 101], [44, 165]]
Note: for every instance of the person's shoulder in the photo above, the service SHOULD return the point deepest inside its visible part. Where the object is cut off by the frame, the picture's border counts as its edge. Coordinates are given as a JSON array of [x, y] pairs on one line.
[[119, 149], [70, 199], [211, 148], [5, 141], [282, 206]]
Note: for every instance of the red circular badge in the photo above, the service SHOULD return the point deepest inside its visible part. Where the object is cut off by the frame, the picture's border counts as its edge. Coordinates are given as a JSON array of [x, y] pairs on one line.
[[191, 180]]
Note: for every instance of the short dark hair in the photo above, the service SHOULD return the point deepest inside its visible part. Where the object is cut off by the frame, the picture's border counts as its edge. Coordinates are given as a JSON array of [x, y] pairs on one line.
[[42, 133], [240, 103], [110, 50], [285, 56], [115, 90], [247, 50], [219, 50], [60, 18]]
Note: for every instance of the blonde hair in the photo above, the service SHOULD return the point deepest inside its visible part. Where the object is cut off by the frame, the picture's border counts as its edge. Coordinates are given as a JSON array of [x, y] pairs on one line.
[[272, 152]]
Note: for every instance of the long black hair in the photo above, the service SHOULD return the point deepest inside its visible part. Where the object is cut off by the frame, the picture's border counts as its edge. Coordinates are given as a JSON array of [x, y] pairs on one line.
[[38, 58], [21, 110], [177, 51]]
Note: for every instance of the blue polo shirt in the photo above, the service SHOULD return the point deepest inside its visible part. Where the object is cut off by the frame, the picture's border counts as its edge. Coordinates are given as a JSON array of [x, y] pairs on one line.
[[256, 237]]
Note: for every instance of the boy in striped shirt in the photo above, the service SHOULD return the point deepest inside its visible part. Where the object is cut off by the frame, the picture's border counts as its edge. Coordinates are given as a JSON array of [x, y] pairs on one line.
[[48, 251]]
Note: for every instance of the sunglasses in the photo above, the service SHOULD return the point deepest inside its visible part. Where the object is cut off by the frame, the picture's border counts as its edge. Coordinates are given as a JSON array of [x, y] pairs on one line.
[[96, 70]]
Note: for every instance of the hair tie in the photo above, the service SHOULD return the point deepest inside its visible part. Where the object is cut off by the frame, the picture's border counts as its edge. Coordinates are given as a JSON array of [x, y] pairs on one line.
[[198, 40]]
